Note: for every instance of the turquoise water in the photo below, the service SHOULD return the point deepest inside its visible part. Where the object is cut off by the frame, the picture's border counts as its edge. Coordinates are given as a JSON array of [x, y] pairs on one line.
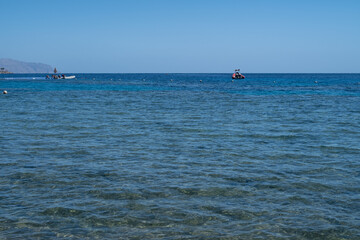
[[180, 156]]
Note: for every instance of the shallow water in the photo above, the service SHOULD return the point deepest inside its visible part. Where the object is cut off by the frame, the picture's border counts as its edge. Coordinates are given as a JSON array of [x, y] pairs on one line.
[[180, 156]]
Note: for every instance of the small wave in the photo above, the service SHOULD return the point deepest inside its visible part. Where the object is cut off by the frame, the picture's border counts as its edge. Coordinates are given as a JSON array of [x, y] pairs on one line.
[[214, 192], [63, 212], [23, 78], [339, 149]]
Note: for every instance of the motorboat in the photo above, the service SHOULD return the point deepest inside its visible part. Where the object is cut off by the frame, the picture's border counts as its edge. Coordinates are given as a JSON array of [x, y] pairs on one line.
[[237, 75], [68, 77], [56, 76], [61, 77]]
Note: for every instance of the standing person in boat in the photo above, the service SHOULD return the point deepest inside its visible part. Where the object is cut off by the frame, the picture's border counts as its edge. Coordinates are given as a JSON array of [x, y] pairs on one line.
[[237, 73]]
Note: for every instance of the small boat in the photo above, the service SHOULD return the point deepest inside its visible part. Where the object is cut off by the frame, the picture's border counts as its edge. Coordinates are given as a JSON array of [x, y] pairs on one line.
[[68, 77], [60, 77], [237, 75], [63, 76]]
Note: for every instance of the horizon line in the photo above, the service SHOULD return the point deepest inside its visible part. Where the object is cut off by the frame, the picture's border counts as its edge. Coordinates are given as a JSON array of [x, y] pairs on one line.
[[184, 73]]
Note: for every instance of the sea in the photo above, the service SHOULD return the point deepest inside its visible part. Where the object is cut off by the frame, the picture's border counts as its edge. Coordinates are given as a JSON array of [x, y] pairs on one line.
[[180, 156]]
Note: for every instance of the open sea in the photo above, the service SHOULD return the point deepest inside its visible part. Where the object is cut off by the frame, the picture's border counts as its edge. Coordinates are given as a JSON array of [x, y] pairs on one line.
[[180, 156]]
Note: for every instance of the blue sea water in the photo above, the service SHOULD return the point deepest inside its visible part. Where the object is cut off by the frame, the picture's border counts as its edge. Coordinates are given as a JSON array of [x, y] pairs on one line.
[[180, 156]]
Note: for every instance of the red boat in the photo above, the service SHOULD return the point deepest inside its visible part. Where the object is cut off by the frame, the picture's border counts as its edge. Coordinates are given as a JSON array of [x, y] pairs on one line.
[[237, 75]]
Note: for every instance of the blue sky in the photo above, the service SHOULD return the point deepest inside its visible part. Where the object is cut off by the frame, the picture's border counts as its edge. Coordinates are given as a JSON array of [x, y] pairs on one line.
[[122, 36]]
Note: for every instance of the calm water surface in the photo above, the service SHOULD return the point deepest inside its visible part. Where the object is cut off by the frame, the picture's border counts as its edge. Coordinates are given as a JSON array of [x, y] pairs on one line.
[[180, 156]]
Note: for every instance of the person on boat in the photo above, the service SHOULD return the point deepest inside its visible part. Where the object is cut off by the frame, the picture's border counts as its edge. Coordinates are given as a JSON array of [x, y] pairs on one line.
[[47, 77], [237, 73], [63, 76]]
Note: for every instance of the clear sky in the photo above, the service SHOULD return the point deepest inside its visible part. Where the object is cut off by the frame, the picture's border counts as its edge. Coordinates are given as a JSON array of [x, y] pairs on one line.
[[197, 36]]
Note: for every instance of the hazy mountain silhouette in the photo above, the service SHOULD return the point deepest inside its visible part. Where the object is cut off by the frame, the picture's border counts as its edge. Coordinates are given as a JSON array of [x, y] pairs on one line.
[[15, 66]]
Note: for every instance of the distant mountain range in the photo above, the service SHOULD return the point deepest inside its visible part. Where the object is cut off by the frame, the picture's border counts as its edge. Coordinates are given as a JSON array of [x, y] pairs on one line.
[[15, 66]]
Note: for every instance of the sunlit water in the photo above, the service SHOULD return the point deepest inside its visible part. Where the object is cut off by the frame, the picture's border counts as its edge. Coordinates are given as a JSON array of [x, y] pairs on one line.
[[180, 156]]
